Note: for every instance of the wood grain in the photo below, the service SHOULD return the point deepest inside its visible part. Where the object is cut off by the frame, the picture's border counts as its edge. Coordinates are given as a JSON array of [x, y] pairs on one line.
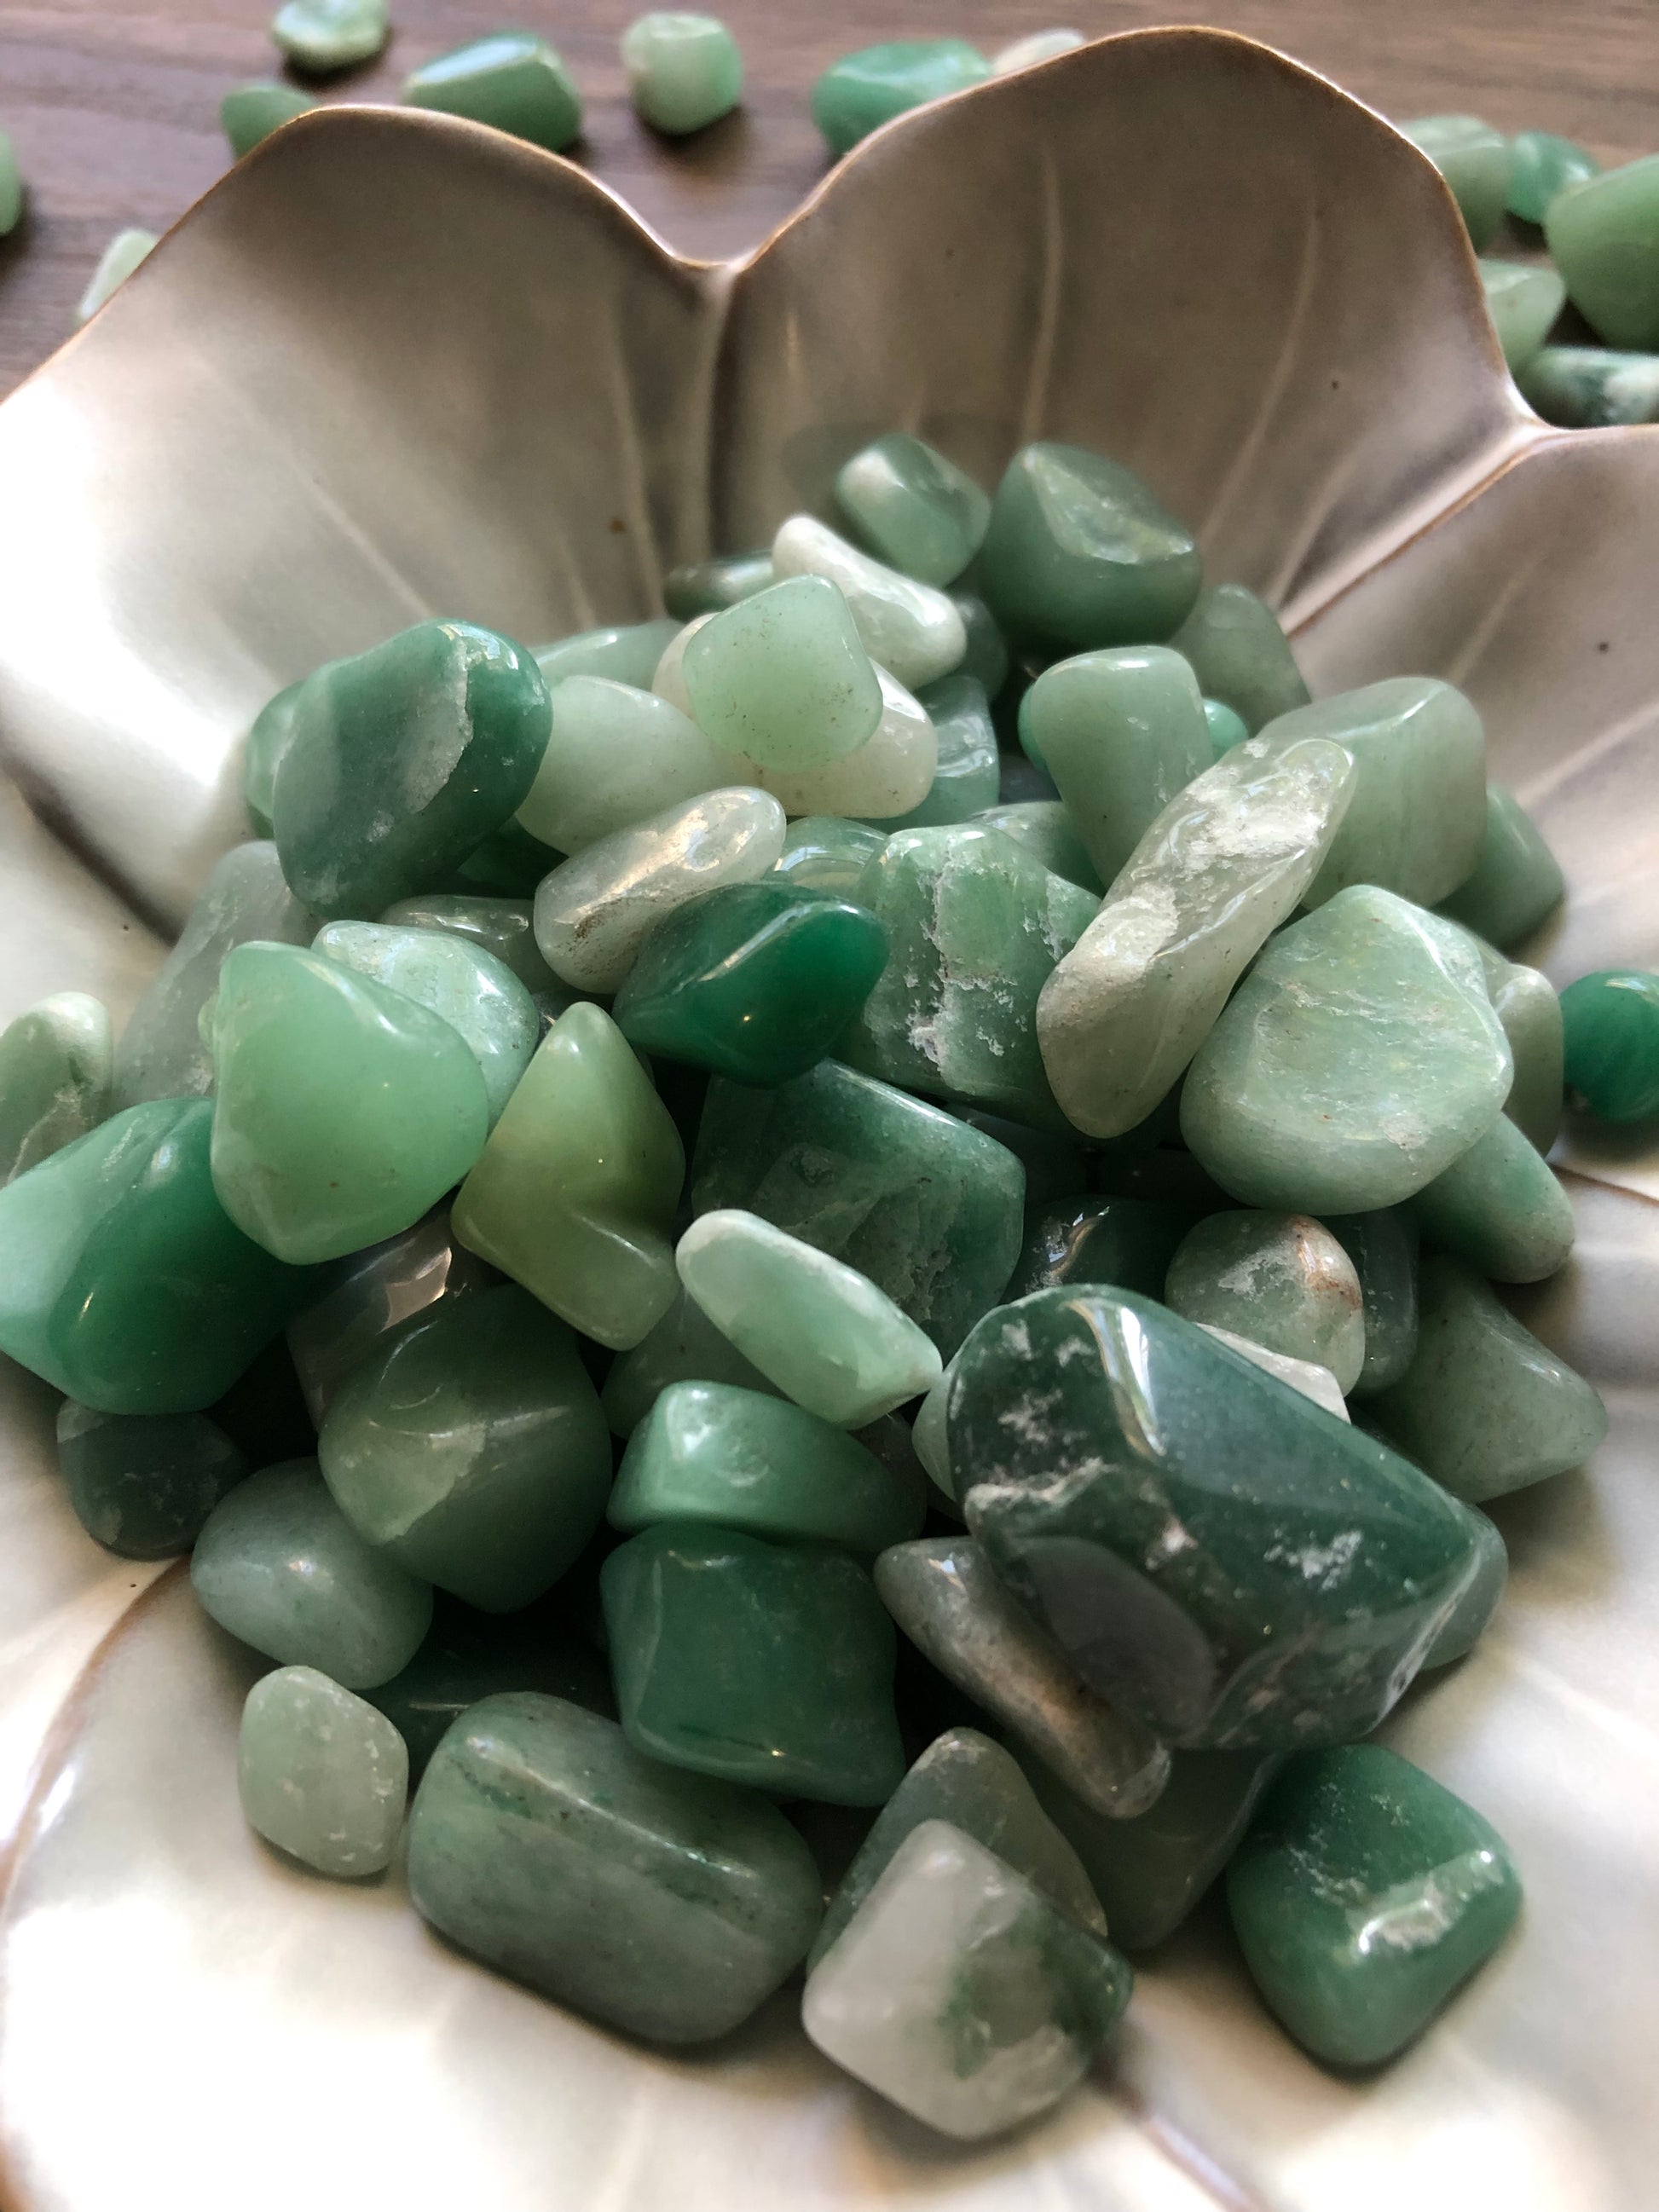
[[112, 105]]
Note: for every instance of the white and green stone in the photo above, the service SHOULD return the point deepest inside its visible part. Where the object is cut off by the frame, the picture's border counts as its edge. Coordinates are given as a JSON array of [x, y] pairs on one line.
[[322, 1774], [56, 1071], [615, 755], [884, 780], [684, 72], [623, 654], [1280, 1279], [910, 629], [1120, 731], [1526, 1004], [115, 264], [1522, 299], [915, 508], [968, 776], [322, 37], [784, 678]]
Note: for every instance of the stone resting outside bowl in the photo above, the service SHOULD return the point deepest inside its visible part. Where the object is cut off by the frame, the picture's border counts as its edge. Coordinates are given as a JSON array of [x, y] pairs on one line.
[[396, 365]]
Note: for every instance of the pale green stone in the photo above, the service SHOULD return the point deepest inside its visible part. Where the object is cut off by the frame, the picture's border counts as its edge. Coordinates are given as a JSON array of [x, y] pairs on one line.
[[1043, 827], [930, 1437], [56, 1074], [1120, 732], [869, 87], [1526, 1004], [11, 188], [250, 112], [1476, 161], [628, 655], [502, 927], [115, 264], [1604, 237], [1517, 880], [881, 782], [615, 755], [1037, 46], [322, 1774], [1220, 868], [1587, 387], [593, 913], [574, 1193], [916, 509], [1544, 167], [703, 588], [324, 36], [683, 1346], [969, 775], [1523, 301], [1241, 656], [684, 72], [1280, 1279], [1498, 1208], [482, 999], [909, 629], [1227, 728], [817, 1328], [783, 678], [267, 741], [828, 853], [369, 1293], [1358, 1058], [513, 80]]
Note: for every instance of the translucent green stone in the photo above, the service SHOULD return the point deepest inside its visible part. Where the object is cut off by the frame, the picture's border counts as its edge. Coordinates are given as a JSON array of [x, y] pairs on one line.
[[401, 760], [1485, 1407], [1121, 733], [986, 656], [1037, 46], [1221, 866], [1517, 880], [323, 36], [704, 587], [1227, 729], [1128, 1242], [1477, 163], [865, 89], [625, 655], [1362, 1897], [1281, 1280], [279, 1565], [916, 509], [363, 1297], [664, 1903], [685, 72], [11, 188], [1382, 1247], [344, 1110], [1604, 235], [575, 1194], [143, 1485], [685, 1346], [115, 264], [825, 1333], [56, 1074], [1044, 827], [1308, 1377], [268, 734], [512, 80], [960, 1993], [616, 755], [1466, 1623], [1586, 387], [927, 1207], [881, 782], [1498, 1208], [251, 111], [1358, 1058], [1081, 553], [322, 1776], [1526, 1004], [969, 775], [827, 852], [1241, 656], [480, 998], [1523, 301], [125, 1285], [501, 926], [1543, 166], [1610, 1024], [1235, 1567], [782, 677], [770, 1664]]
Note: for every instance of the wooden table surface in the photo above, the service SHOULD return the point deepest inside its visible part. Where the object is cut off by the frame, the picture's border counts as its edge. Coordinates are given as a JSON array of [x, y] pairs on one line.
[[112, 105]]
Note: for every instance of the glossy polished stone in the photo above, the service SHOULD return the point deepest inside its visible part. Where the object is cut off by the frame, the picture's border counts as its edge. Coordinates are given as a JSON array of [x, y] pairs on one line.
[[593, 913], [925, 1205], [1516, 881], [1233, 1565], [1128, 1242], [322, 37], [703, 588], [1526, 1004], [1523, 301], [1216, 872], [825, 1333], [909, 629], [1604, 235], [683, 1346], [1121, 733], [1241, 656], [664, 1903], [769, 1664], [969, 774], [755, 981], [1485, 1407], [684, 72], [115, 264], [1610, 1025], [56, 1079], [279, 1565], [512, 80], [143, 1485], [1080, 554], [344, 1110], [573, 1196], [322, 1774], [1466, 1623], [914, 509], [828, 853], [627, 654], [884, 781], [616, 754], [368, 1294], [250, 112], [1587, 387], [783, 677], [1227, 727], [960, 1993], [1477, 163], [126, 1286], [509, 863], [1044, 827], [1383, 1246], [1281, 1280], [1498, 1209], [865, 89], [1364, 1896], [1543, 166], [273, 726], [1305, 1376], [479, 996], [1357, 1060], [503, 927]]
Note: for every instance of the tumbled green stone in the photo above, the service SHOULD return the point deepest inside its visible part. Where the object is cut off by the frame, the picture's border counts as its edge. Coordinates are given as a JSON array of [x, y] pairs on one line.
[[732, 1458], [1477, 163], [1241, 656], [770, 1664], [684, 72], [913, 508], [1121, 733], [827, 852], [1220, 867], [512, 80], [279, 1565], [985, 659], [356, 1302], [929, 1208], [143, 1485], [1383, 1246], [268, 735], [501, 926], [1587, 387], [1610, 1024], [1227, 728], [11, 188], [1364, 1896], [344, 1109], [1466, 1623], [1485, 1407], [125, 1285], [1527, 1006], [574, 1193], [509, 863], [401, 760], [1128, 1242], [1036, 47], [685, 1346], [56, 1074], [782, 679], [1308, 1377], [115, 264], [1604, 235], [865, 89], [755, 981], [322, 1774], [323, 36], [1044, 827], [1498, 1208], [1544, 166], [881, 781], [1517, 880], [705, 588], [909, 629], [1081, 553], [1281, 1280], [250, 112], [968, 774], [1231, 1564], [615, 755], [628, 655], [1523, 301], [1358, 1058]]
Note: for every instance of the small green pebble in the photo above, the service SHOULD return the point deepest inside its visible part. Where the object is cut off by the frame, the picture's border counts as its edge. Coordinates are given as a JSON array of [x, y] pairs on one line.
[[616, 754], [1604, 237], [323, 1775], [828, 853], [1476, 161], [783, 678], [913, 507], [708, 587], [1611, 1034], [684, 72], [1241, 655], [1281, 1280], [1121, 733], [504, 927], [1587, 387], [57, 1064], [865, 89], [1544, 166], [11, 188], [513, 80], [987, 655], [253, 112], [1227, 728], [969, 775], [1515, 882], [1522, 302], [143, 1485], [116, 263], [1498, 1209], [322, 37], [624, 654]]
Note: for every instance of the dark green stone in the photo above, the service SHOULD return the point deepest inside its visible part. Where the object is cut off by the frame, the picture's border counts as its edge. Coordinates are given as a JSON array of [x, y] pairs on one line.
[[986, 656], [871, 87], [1362, 1897], [1223, 1559], [1589, 387], [143, 1485], [708, 588], [1610, 1024], [1466, 1623], [509, 863], [1127, 1241], [1241, 656], [685, 1346], [1384, 1248], [1054, 1160]]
